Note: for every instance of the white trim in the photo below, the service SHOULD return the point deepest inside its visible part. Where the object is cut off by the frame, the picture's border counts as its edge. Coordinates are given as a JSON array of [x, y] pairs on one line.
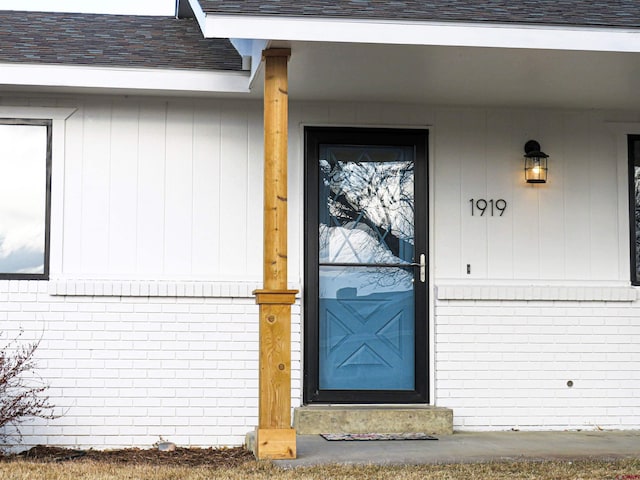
[[537, 293], [37, 113], [431, 267], [420, 33], [152, 288], [110, 78], [58, 117]]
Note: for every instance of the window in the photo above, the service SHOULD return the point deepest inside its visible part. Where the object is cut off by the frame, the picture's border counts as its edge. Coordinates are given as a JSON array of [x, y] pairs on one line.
[[634, 206], [25, 198]]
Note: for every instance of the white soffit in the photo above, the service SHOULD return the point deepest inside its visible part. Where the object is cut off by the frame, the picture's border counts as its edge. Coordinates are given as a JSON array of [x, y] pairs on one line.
[[417, 33], [127, 79]]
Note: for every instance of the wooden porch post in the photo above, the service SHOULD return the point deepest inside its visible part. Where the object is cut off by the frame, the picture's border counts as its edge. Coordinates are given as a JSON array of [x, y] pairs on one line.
[[274, 437]]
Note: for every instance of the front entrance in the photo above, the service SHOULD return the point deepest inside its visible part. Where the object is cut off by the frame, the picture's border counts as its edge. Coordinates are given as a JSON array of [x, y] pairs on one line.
[[365, 266]]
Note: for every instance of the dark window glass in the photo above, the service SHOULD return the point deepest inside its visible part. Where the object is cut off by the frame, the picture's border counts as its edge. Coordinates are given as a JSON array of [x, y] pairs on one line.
[[25, 165], [634, 206]]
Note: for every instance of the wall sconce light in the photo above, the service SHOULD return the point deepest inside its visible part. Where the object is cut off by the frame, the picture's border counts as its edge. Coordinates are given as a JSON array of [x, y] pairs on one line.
[[535, 163]]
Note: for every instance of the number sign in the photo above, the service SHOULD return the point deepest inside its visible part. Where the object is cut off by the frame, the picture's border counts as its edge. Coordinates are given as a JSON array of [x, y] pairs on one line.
[[490, 207]]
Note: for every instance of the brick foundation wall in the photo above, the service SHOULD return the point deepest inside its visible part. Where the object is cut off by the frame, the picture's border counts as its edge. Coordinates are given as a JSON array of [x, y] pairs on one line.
[[124, 370], [503, 365]]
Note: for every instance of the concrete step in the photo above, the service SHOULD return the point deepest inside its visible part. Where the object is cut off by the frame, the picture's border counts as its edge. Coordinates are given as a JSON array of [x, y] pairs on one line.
[[317, 419]]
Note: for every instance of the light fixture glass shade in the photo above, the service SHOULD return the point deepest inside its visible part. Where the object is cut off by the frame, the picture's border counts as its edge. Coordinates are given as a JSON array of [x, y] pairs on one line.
[[535, 163], [535, 169]]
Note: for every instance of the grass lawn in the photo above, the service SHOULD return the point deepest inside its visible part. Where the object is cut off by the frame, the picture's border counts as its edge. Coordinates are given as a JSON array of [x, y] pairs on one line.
[[93, 470]]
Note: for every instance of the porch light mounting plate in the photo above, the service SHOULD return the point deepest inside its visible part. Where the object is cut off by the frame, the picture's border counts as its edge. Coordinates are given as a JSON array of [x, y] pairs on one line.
[[531, 147]]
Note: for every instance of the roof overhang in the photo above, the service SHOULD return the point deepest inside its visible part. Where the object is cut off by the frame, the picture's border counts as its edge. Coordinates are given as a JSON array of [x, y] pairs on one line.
[[402, 32], [123, 80], [471, 63], [462, 76]]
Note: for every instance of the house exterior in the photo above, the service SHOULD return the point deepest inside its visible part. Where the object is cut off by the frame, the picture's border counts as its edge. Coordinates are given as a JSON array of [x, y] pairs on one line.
[[428, 272]]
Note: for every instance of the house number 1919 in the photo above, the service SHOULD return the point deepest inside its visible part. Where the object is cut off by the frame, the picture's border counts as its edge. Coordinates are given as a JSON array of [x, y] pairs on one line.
[[490, 207]]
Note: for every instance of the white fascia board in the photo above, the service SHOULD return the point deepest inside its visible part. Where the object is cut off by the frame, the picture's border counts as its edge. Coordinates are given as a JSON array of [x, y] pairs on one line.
[[421, 33], [110, 78]]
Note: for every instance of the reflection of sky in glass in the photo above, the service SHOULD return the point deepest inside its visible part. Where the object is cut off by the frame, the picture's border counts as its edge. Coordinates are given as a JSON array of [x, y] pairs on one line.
[[366, 216], [23, 153], [366, 204]]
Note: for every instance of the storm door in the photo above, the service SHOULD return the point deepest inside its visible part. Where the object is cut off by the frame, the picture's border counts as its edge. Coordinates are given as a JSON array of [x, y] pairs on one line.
[[365, 266]]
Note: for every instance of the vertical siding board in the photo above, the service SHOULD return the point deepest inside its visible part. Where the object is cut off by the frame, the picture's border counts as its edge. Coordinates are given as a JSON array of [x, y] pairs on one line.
[[551, 200], [300, 115], [255, 197], [72, 228], [447, 186], [96, 173], [504, 170], [471, 128], [123, 188], [296, 193], [577, 195], [151, 188], [178, 212], [526, 210], [603, 206], [233, 195], [206, 191]]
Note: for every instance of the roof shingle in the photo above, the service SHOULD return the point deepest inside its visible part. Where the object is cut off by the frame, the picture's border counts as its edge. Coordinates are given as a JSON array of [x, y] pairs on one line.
[[610, 13], [111, 40]]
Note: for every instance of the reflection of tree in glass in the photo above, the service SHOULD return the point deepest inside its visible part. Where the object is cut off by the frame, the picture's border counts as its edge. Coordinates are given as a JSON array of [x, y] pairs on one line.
[[367, 215], [637, 216], [371, 198]]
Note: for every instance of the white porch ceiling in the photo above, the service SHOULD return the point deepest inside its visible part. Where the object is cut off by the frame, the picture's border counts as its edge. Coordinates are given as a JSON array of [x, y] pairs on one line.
[[473, 76]]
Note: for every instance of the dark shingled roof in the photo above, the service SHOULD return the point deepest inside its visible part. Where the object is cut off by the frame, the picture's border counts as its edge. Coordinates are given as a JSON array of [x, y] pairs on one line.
[[111, 40], [611, 13]]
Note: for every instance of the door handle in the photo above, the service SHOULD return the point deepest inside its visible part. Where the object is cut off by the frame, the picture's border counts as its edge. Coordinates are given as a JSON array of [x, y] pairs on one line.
[[423, 267]]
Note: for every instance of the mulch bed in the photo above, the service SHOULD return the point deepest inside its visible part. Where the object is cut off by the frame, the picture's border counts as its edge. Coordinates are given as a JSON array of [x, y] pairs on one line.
[[190, 457]]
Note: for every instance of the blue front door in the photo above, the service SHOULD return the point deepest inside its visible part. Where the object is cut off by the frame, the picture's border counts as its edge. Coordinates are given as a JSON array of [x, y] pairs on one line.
[[366, 281]]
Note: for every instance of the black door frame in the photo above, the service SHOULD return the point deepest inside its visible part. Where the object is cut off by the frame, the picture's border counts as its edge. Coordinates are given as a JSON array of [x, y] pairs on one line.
[[313, 137]]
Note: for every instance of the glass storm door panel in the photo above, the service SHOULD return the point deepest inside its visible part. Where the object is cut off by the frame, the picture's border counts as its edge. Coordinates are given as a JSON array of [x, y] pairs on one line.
[[370, 271]]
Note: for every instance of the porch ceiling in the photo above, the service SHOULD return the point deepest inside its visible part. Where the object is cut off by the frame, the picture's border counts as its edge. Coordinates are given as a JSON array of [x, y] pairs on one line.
[[473, 76]]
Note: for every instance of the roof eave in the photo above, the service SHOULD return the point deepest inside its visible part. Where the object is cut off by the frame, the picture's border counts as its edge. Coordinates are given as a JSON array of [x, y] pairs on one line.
[[281, 28], [114, 79]]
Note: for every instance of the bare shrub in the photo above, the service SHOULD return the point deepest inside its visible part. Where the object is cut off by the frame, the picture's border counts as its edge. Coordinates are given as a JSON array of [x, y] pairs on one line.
[[21, 392]]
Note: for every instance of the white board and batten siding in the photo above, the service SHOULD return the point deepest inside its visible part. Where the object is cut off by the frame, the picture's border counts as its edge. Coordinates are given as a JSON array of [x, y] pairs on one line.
[[148, 323], [148, 181]]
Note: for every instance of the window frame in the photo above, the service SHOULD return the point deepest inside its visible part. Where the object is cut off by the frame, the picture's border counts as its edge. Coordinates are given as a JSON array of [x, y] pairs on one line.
[[48, 123], [631, 140]]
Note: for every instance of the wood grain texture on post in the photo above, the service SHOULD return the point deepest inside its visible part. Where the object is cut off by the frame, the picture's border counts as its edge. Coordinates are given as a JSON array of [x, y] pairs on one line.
[[276, 118], [275, 438]]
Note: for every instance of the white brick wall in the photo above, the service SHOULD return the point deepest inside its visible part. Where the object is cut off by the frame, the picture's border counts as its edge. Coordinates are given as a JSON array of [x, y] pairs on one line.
[[503, 365], [124, 370]]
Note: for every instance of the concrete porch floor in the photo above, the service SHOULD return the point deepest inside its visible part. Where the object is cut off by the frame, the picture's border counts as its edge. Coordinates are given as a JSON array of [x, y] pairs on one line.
[[469, 447]]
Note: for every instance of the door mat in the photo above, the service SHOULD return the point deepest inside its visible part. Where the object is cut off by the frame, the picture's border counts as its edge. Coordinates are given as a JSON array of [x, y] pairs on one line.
[[376, 436]]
